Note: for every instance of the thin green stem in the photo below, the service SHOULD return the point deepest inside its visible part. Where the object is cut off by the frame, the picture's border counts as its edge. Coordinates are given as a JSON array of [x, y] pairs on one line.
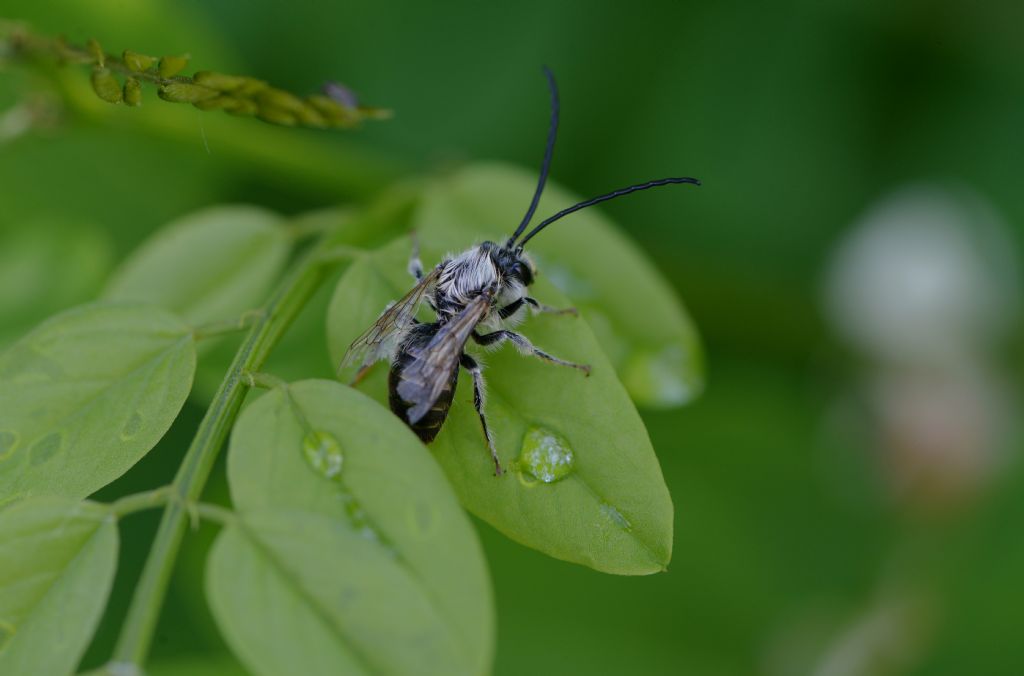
[[214, 329], [265, 381], [160, 497], [138, 502], [288, 299], [215, 513]]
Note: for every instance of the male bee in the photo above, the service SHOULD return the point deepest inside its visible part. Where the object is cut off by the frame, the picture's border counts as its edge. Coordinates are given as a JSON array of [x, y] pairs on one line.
[[475, 295]]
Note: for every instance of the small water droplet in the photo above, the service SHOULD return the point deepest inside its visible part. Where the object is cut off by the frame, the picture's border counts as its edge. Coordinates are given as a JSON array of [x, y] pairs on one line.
[[7, 632], [122, 669], [616, 516], [546, 455], [323, 453], [663, 378], [45, 448], [131, 426], [8, 442]]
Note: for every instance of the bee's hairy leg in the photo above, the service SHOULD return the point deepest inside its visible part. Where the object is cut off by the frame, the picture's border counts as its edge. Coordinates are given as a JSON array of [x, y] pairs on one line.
[[415, 264], [535, 307], [479, 393], [511, 308], [524, 346], [547, 309]]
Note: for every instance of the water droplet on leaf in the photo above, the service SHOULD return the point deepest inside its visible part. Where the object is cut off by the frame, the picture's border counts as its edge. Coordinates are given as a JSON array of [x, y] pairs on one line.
[[662, 378], [615, 516], [45, 448], [546, 455], [323, 453], [131, 426], [8, 442], [122, 669]]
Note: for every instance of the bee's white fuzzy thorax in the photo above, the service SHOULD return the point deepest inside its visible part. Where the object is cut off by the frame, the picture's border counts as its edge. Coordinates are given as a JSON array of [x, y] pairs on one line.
[[465, 276]]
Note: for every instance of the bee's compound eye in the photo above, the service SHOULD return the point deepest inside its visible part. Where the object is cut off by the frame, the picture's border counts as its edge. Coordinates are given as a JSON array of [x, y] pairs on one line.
[[525, 272]]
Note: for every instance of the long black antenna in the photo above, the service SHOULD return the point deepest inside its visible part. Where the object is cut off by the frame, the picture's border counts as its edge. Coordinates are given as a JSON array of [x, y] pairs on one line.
[[549, 150], [604, 198]]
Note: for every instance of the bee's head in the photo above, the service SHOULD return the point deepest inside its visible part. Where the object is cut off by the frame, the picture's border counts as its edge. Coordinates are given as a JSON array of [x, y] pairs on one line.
[[513, 263]]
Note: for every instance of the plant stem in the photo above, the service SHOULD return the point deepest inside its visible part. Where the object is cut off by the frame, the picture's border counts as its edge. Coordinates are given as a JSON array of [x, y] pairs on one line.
[[265, 381], [288, 299], [215, 329], [137, 502]]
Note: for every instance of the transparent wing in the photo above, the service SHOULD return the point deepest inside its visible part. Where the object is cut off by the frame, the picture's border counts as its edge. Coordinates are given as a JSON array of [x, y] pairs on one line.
[[426, 377], [380, 340]]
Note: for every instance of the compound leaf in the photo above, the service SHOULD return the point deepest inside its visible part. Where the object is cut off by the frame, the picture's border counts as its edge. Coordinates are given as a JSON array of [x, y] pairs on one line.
[[355, 539], [212, 265], [86, 394], [612, 511], [57, 561]]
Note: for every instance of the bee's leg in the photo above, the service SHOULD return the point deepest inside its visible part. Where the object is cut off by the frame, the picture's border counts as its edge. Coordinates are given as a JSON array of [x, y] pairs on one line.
[[524, 346], [510, 309], [547, 309], [415, 264], [473, 367], [536, 307]]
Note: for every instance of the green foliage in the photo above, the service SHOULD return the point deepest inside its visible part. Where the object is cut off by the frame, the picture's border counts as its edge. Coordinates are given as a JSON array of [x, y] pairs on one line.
[[45, 267], [57, 562], [207, 267], [379, 525], [88, 393], [613, 511], [345, 547], [637, 318]]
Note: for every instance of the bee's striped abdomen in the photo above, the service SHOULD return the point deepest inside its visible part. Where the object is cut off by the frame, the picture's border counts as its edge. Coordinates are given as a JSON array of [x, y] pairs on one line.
[[427, 427]]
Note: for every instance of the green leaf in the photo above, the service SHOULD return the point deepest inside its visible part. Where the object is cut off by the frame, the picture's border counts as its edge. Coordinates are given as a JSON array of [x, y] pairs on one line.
[[88, 393], [45, 267], [212, 265], [613, 511], [57, 561], [215, 664], [371, 549], [632, 309]]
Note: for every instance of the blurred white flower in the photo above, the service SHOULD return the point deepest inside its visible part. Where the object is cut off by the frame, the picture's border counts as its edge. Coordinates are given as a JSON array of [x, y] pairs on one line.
[[925, 275]]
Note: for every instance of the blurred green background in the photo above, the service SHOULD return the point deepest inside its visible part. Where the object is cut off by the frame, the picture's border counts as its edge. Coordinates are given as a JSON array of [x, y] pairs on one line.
[[833, 515]]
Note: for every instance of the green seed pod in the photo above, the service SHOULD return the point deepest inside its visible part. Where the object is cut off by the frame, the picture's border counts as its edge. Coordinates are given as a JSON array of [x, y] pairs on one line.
[[96, 52], [185, 92], [280, 99], [137, 62], [244, 107], [251, 86], [132, 92], [219, 81], [221, 102], [331, 109], [172, 65], [276, 115], [310, 117], [106, 85]]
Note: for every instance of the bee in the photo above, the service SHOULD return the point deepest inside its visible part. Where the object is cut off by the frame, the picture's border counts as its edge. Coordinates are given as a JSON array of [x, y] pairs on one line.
[[478, 295]]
